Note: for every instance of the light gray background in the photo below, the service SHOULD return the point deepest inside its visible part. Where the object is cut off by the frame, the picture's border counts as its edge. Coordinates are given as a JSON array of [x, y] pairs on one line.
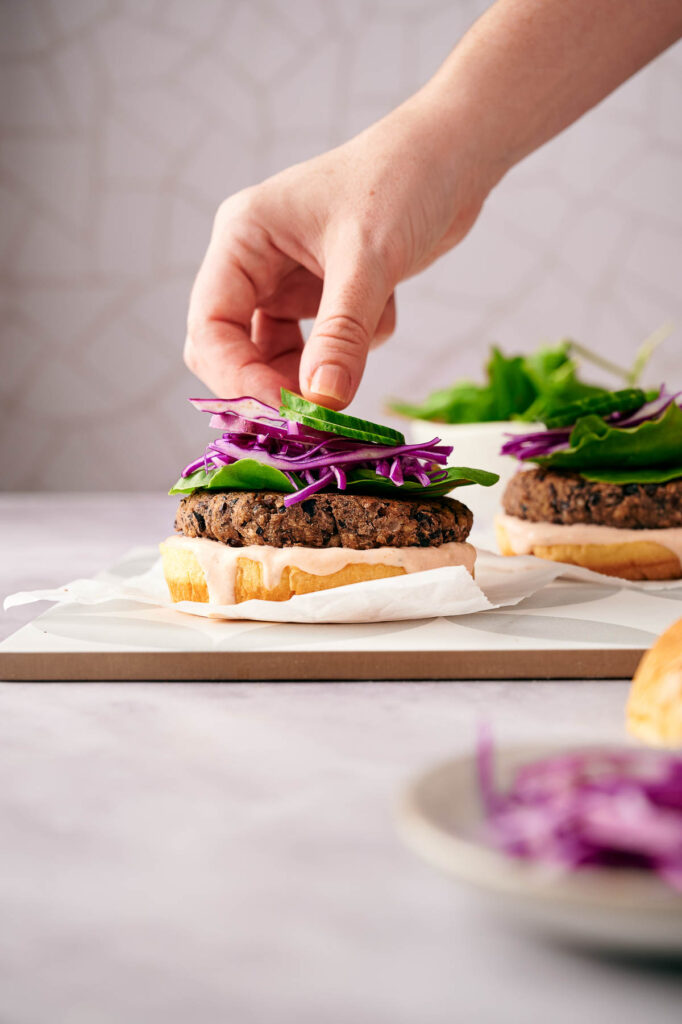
[[123, 125]]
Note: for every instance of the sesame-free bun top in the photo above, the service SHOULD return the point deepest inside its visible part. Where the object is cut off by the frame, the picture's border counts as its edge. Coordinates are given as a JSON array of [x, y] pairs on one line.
[[654, 708]]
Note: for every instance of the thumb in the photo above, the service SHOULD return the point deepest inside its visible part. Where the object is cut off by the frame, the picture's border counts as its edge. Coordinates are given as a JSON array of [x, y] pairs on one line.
[[353, 299]]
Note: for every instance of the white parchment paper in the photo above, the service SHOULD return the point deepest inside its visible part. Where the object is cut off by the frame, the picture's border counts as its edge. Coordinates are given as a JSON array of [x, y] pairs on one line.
[[499, 582]]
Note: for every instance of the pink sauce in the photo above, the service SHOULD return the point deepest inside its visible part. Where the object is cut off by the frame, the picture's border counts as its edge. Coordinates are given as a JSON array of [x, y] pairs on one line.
[[219, 562], [524, 535]]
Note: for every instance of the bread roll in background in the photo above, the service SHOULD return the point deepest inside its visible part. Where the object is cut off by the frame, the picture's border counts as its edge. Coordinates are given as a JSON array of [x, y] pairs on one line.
[[654, 708]]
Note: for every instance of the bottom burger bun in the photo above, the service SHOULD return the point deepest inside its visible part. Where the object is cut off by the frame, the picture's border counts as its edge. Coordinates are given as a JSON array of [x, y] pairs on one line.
[[187, 580], [654, 708], [627, 559], [197, 569]]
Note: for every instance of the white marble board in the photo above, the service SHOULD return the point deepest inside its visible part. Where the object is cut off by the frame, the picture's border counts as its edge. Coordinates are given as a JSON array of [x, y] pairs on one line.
[[568, 629]]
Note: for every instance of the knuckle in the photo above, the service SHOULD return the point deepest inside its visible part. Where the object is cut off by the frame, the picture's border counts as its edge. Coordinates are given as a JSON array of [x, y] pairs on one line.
[[241, 204], [374, 241], [383, 247], [344, 333]]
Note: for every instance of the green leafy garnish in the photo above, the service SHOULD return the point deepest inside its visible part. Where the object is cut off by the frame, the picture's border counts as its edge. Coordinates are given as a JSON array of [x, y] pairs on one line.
[[367, 481], [644, 475], [243, 475], [517, 387], [530, 388], [319, 417], [510, 384], [465, 402], [250, 475], [624, 401], [559, 388], [597, 445]]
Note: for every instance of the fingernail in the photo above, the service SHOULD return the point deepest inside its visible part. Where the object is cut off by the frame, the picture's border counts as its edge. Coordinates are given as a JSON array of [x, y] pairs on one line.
[[331, 381]]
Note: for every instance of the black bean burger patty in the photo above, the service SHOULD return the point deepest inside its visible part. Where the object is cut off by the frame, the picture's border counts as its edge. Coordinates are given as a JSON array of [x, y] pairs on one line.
[[325, 520], [549, 496]]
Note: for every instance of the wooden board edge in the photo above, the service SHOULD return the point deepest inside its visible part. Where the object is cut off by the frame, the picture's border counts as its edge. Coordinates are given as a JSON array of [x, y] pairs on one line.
[[237, 666]]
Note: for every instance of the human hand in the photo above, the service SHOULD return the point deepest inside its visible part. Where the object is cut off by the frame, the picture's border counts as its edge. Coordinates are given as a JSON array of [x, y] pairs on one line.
[[330, 239]]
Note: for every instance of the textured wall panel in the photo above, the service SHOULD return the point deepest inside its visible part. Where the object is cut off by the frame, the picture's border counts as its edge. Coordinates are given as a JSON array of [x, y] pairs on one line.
[[122, 127]]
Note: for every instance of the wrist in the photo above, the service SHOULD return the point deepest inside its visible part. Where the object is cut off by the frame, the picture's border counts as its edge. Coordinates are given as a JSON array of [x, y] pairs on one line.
[[459, 169], [473, 152]]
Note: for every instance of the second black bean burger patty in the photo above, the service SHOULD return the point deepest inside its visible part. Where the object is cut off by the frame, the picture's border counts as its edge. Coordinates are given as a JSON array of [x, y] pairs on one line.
[[359, 521], [547, 496]]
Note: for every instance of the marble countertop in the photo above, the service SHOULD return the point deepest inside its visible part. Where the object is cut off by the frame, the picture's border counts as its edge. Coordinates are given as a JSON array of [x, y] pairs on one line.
[[226, 852]]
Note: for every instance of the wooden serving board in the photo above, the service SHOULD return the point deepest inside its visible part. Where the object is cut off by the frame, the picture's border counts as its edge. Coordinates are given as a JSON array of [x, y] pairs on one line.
[[568, 630]]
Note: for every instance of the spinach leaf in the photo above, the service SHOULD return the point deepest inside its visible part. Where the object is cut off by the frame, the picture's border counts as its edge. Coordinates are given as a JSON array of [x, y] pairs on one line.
[[511, 386], [243, 475], [647, 475], [250, 475], [516, 387], [595, 444], [527, 388], [542, 365], [560, 388], [464, 402], [366, 481]]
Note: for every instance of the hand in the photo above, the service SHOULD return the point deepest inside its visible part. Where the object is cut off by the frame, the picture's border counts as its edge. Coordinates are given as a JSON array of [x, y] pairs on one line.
[[330, 239]]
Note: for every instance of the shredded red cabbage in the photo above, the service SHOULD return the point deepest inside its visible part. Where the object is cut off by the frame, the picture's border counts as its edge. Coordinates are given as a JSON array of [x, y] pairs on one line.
[[592, 808], [254, 430], [547, 442]]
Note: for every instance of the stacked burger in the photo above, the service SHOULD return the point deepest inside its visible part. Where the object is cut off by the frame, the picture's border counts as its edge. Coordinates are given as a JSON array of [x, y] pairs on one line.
[[304, 498], [607, 490]]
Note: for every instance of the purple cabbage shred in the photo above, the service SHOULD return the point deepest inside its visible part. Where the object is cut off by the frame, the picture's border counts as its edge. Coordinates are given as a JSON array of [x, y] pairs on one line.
[[547, 442], [610, 808], [254, 430]]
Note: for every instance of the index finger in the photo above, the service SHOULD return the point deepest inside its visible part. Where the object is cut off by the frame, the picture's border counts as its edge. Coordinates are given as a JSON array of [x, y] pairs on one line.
[[232, 280]]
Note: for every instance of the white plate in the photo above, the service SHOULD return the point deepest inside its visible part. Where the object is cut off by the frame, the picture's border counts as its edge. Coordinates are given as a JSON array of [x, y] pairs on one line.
[[626, 911]]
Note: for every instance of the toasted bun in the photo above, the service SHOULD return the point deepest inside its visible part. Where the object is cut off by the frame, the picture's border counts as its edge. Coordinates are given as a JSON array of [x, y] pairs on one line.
[[654, 708], [631, 560], [187, 582]]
